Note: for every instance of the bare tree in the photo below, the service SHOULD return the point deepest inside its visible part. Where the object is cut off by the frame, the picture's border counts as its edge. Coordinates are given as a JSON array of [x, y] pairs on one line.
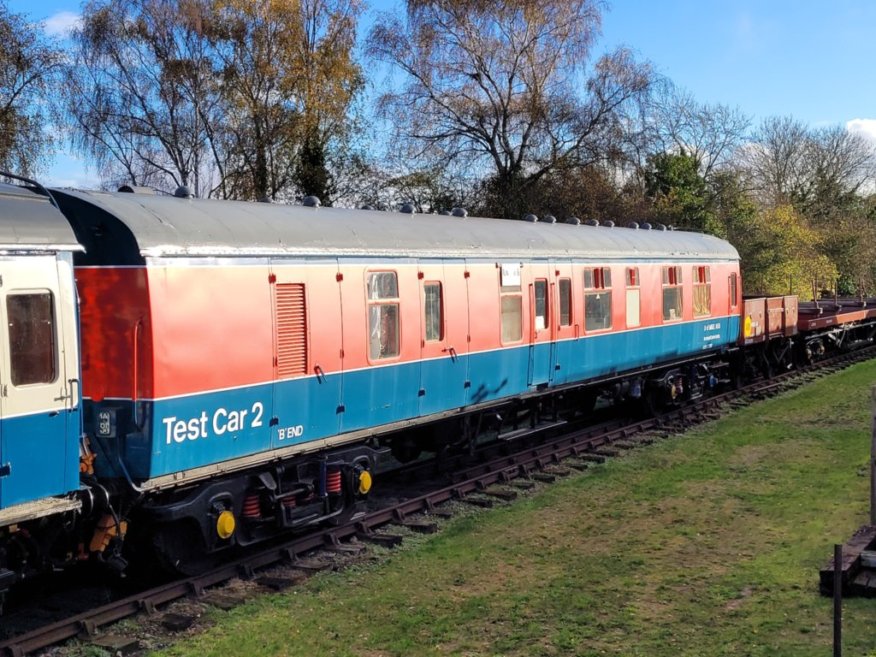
[[838, 161], [501, 87], [140, 91], [710, 134], [29, 65], [788, 162], [775, 161]]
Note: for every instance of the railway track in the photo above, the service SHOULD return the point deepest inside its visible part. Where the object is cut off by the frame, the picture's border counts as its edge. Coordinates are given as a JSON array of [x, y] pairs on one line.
[[492, 477]]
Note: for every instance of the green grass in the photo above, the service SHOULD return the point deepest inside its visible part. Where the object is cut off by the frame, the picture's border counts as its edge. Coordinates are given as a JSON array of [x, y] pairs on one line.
[[706, 544]]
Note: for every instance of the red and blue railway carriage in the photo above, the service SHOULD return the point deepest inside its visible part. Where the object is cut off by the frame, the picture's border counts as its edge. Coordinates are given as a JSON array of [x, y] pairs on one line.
[[245, 364]]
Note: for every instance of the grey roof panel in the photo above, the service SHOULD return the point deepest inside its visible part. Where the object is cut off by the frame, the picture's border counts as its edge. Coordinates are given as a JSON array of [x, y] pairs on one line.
[[170, 226], [28, 221]]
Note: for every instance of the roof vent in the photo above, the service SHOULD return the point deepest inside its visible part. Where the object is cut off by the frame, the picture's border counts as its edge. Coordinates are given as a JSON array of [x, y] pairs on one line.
[[608, 223], [136, 189], [592, 222], [575, 221], [633, 225], [311, 202], [646, 226], [459, 212], [530, 218], [183, 192], [408, 208], [549, 219]]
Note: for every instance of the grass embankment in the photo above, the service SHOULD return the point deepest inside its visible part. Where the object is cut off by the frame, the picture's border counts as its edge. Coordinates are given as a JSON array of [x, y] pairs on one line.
[[706, 544]]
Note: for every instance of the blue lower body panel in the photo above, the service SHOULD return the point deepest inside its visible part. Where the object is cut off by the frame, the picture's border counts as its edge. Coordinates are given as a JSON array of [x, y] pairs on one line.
[[198, 430], [39, 456]]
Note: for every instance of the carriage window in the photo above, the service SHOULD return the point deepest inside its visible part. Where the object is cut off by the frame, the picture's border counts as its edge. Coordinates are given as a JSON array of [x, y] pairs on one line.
[[565, 302], [734, 299], [512, 303], [433, 312], [633, 298], [672, 294], [597, 299], [512, 318], [702, 291], [383, 315], [541, 305], [32, 339]]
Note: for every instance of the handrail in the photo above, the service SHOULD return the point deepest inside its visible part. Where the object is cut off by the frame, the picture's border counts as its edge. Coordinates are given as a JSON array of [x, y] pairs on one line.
[[136, 370], [30, 181]]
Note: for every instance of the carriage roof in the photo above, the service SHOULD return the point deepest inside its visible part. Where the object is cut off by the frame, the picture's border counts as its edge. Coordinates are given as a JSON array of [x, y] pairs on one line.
[[167, 226], [29, 222]]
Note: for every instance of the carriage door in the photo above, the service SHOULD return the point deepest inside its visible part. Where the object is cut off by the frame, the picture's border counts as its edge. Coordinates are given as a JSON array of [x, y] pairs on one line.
[[307, 352], [39, 372], [563, 322], [444, 336], [540, 326]]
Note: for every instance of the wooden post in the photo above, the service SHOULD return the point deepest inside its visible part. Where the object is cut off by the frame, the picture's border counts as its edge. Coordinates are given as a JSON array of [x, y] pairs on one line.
[[873, 458], [837, 601]]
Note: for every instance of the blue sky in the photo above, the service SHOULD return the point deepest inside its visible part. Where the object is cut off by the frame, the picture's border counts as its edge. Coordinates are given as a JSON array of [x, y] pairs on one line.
[[810, 59]]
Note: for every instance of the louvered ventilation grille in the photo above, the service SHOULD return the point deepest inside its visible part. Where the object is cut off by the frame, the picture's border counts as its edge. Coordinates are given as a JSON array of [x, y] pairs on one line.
[[291, 330]]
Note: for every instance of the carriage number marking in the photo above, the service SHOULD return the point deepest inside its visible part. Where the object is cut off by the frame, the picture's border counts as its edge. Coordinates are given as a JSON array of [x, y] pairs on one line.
[[221, 421], [711, 337]]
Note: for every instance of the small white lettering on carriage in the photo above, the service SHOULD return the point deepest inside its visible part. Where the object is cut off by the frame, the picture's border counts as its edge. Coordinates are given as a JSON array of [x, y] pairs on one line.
[[286, 433], [221, 421], [716, 326], [711, 337]]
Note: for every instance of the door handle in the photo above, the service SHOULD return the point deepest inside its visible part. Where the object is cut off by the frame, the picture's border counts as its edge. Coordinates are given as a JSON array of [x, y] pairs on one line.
[[70, 396], [74, 397]]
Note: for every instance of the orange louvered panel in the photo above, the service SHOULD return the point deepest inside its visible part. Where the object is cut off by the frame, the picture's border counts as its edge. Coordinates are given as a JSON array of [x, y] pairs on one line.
[[291, 330]]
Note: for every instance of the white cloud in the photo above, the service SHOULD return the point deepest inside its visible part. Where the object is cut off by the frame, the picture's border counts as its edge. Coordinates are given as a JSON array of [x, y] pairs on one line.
[[865, 127], [62, 23], [76, 182]]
